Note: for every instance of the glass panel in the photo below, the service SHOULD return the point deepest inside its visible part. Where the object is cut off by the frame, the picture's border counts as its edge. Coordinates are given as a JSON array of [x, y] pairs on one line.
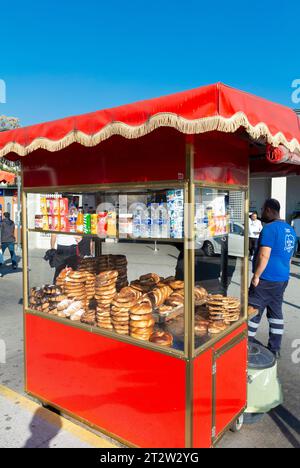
[[112, 259], [219, 261]]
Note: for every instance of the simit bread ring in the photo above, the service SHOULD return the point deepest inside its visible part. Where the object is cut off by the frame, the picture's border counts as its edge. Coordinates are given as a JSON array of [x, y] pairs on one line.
[[150, 278], [162, 338], [143, 323], [176, 284], [140, 317], [141, 309]]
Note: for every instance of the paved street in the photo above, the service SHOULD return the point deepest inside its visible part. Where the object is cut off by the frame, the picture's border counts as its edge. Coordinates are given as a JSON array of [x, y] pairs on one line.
[[281, 428]]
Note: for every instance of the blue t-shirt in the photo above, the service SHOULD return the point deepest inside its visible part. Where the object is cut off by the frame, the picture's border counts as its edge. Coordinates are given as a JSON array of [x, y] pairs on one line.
[[281, 238]]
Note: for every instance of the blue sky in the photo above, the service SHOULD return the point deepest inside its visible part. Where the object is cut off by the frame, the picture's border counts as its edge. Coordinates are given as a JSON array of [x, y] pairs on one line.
[[70, 57]]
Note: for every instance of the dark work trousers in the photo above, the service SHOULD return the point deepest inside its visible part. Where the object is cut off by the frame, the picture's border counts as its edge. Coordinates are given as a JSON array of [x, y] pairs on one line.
[[268, 295], [253, 245]]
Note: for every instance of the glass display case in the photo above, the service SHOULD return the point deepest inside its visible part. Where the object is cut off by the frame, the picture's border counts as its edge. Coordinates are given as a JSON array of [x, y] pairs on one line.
[[220, 265], [107, 260], [114, 261]]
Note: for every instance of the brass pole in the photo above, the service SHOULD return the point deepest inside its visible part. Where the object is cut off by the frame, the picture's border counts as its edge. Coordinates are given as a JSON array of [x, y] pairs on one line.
[[189, 277], [25, 269]]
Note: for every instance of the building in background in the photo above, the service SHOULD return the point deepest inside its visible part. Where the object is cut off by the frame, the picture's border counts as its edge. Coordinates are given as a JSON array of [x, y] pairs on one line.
[[10, 181]]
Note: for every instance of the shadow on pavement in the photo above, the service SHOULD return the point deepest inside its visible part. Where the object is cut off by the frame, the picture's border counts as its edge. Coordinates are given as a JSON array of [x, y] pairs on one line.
[[9, 271], [286, 422], [291, 305], [40, 428]]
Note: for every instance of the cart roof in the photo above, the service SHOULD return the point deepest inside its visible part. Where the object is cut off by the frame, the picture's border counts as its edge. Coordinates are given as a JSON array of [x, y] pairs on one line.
[[209, 108]]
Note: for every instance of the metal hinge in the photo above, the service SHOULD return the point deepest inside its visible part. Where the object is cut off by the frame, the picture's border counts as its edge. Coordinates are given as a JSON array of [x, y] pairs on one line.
[[214, 432], [214, 369]]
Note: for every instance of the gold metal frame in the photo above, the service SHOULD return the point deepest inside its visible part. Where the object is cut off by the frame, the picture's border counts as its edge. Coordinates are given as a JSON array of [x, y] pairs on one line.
[[108, 334], [189, 354], [216, 355], [189, 300], [223, 432], [107, 187]]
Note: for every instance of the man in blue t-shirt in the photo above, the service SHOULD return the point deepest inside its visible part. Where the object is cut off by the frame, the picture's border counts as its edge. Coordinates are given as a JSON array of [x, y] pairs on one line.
[[272, 273]]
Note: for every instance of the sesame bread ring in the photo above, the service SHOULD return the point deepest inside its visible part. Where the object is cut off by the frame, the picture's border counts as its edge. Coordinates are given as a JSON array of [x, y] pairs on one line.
[[162, 338], [107, 275], [122, 331], [176, 284], [75, 280], [180, 292], [121, 327], [104, 301], [103, 319], [144, 300], [122, 321], [137, 286], [142, 331], [141, 309], [116, 310], [147, 332], [141, 317], [127, 301], [151, 278], [75, 288], [144, 323]]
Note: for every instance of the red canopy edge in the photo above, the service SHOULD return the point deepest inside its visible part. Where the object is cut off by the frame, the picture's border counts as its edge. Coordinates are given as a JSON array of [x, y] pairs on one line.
[[210, 108], [282, 155]]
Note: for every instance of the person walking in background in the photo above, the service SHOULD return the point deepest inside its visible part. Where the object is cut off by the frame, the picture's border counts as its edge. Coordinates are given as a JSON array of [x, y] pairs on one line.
[[8, 239], [296, 226], [1, 256], [271, 274], [255, 228]]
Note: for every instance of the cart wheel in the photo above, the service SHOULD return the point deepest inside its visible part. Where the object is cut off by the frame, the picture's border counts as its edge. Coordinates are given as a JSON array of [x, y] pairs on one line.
[[238, 424], [208, 249]]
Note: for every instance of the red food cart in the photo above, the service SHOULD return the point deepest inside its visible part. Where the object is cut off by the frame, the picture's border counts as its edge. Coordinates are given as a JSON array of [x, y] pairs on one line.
[[145, 335]]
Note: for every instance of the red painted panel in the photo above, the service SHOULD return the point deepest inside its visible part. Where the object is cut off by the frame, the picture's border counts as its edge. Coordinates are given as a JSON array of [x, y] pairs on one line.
[[203, 400], [230, 337], [231, 385], [158, 156], [221, 157], [134, 393]]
